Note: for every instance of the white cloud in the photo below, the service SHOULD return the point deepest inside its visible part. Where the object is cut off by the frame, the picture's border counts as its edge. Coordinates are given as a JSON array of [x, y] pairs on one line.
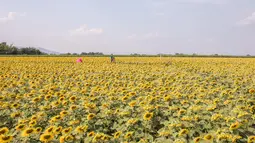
[[132, 36], [84, 30], [151, 35], [23, 14], [144, 36], [11, 16], [248, 20]]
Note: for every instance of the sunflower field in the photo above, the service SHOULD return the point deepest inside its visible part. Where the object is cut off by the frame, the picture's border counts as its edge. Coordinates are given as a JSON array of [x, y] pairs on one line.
[[136, 99]]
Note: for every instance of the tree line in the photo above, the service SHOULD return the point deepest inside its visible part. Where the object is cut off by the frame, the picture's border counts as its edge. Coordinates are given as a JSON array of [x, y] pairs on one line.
[[12, 50], [6, 49]]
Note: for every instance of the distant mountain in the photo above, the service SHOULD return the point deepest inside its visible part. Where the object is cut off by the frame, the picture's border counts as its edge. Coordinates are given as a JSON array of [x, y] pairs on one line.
[[43, 50], [47, 51]]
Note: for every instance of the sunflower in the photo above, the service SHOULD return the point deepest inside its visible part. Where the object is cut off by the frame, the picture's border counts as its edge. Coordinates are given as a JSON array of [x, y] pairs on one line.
[[66, 130], [15, 115], [216, 117], [91, 134], [128, 135], [97, 137], [69, 138], [15, 105], [50, 129], [224, 136], [27, 132], [251, 91], [142, 103], [167, 98], [61, 99], [47, 97], [235, 138], [4, 130], [55, 104], [5, 139], [251, 139], [91, 116], [41, 114], [62, 139], [147, 116], [72, 98], [57, 93], [2, 97], [20, 127], [63, 113], [132, 121], [234, 126], [124, 99], [105, 105], [80, 129], [46, 137], [57, 130], [73, 107], [32, 123], [180, 112], [38, 129], [36, 99], [132, 103], [56, 118], [105, 138], [183, 132], [197, 139], [208, 137], [34, 117], [23, 121], [64, 102], [117, 134]]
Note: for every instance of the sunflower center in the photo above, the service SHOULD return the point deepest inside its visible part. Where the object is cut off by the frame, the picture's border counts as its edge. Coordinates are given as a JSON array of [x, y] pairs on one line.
[[29, 131], [47, 136], [2, 132], [69, 138], [147, 115], [6, 138], [50, 129], [21, 126], [117, 134], [208, 137], [38, 130]]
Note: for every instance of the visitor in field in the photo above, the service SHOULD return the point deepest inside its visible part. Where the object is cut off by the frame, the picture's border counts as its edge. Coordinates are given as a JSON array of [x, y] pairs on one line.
[[79, 60], [112, 59]]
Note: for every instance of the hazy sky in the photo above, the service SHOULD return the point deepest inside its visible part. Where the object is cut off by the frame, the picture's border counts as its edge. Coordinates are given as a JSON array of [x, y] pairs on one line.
[[131, 26]]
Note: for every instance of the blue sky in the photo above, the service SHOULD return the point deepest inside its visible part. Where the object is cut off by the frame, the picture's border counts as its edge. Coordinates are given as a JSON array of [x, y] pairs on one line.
[[131, 26]]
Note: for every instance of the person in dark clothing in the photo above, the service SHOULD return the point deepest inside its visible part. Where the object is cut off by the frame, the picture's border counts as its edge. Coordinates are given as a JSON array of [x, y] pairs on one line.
[[112, 59]]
